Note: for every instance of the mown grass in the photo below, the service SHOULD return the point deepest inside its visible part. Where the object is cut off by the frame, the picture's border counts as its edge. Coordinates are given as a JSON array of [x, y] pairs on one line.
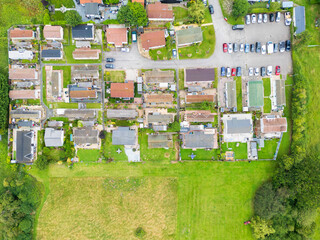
[[181, 79], [226, 7], [239, 92], [59, 3], [88, 155], [116, 76], [200, 154], [180, 14], [110, 151], [240, 152], [267, 105], [266, 87], [269, 149]]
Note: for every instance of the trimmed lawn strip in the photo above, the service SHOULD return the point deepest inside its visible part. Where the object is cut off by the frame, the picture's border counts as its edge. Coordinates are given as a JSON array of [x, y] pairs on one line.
[[93, 105], [269, 149], [239, 92], [267, 105], [240, 152], [266, 87], [88, 155], [115, 76], [181, 79], [180, 14], [201, 154], [66, 74]]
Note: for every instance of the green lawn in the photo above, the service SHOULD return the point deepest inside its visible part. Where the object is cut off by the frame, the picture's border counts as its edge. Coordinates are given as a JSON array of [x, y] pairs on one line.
[[115, 76], [93, 105], [180, 14], [269, 149], [239, 92], [201, 154], [200, 50], [57, 16], [164, 53], [240, 152], [207, 16], [62, 105], [33, 101], [181, 79], [226, 7], [68, 50], [66, 74], [88, 155], [266, 87], [261, 7], [267, 105], [110, 151], [59, 3]]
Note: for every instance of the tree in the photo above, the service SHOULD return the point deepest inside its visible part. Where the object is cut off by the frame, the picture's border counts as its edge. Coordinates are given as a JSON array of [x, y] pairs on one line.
[[240, 8], [4, 103], [196, 11], [133, 14], [46, 17], [111, 2], [261, 228], [73, 18]]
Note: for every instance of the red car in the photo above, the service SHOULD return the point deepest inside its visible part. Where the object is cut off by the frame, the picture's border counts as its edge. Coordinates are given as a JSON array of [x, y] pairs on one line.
[[277, 70], [225, 47], [233, 72]]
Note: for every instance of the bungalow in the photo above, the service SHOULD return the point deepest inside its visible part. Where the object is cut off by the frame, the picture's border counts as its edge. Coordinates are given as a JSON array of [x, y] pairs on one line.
[[160, 141], [154, 99], [16, 73], [199, 98], [122, 113], [84, 72], [53, 33], [158, 77], [24, 94], [273, 126], [278, 94], [21, 54], [25, 143], [55, 123], [189, 36], [199, 116], [51, 54], [157, 118], [255, 92], [122, 90], [85, 136], [73, 114], [200, 139], [159, 12], [25, 114], [153, 40], [299, 17], [199, 76], [83, 32], [117, 36], [124, 136], [83, 94], [55, 88], [53, 138], [86, 53], [230, 95], [21, 34], [237, 127]]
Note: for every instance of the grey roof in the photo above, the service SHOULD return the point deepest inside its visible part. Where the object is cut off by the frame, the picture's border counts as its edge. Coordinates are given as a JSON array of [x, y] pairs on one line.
[[194, 89], [159, 127], [80, 113], [253, 149], [189, 36], [53, 138], [160, 118], [200, 75], [123, 136], [280, 92], [238, 126], [122, 113], [198, 139], [25, 114], [25, 123], [160, 141], [287, 4], [24, 148], [158, 76], [51, 53], [80, 44], [55, 123], [231, 97], [300, 19], [85, 135], [82, 31], [91, 8], [24, 84], [56, 87], [84, 72]]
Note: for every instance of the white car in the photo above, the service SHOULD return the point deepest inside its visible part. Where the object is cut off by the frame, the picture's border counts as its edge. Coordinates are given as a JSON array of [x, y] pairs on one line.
[[260, 18], [256, 71], [230, 48], [263, 49], [269, 70], [278, 17], [228, 72], [250, 73], [270, 47], [248, 19], [253, 18], [265, 18], [241, 49]]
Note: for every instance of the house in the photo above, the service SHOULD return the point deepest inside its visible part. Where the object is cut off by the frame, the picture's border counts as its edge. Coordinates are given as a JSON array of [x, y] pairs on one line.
[[193, 89], [122, 90], [139, 1], [159, 12], [117, 36], [25, 146], [27, 124], [53, 33], [278, 94], [72, 114], [83, 32], [84, 72], [56, 83], [92, 10], [199, 116], [199, 98], [51, 54], [124, 136], [21, 54], [25, 114], [273, 126], [230, 95], [158, 77], [16, 73], [154, 99], [153, 40], [83, 94], [160, 141], [55, 123], [24, 94], [200, 139], [255, 94], [237, 127], [83, 2], [189, 36], [199, 77], [53, 138], [299, 19], [21, 34], [86, 53], [157, 118], [85, 136], [122, 113]]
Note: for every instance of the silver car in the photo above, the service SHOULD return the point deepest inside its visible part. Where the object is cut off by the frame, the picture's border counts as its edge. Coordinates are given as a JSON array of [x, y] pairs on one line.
[[269, 70], [263, 49], [256, 71], [278, 17], [260, 18], [250, 73], [230, 49], [241, 49], [228, 72], [253, 18], [265, 17], [248, 19]]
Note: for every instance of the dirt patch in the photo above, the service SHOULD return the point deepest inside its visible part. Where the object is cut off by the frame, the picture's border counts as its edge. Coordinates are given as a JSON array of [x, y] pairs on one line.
[[167, 155]]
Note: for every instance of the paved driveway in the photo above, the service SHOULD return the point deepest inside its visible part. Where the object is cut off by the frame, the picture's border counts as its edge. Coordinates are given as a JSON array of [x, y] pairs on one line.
[[255, 32]]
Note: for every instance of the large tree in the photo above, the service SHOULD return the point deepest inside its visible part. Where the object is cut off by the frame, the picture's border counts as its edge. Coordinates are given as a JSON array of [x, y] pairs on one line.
[[133, 14], [4, 103], [240, 8], [73, 18], [196, 11]]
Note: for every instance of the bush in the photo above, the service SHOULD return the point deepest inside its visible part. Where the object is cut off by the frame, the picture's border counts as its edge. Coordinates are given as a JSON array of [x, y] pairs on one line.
[[140, 232], [240, 8]]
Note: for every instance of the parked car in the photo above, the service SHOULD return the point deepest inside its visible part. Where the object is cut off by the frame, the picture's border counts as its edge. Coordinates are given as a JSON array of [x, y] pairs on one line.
[[110, 59], [241, 48], [246, 48], [258, 47], [174, 52], [269, 70], [228, 72], [278, 17], [265, 17], [263, 49], [259, 18], [288, 45], [269, 47], [235, 47], [250, 73], [277, 70], [204, 2], [252, 48], [233, 72], [238, 71], [282, 46], [275, 47], [256, 71], [248, 19], [253, 18], [263, 71], [124, 49], [134, 36], [225, 47], [238, 27], [287, 18], [229, 47], [109, 66], [223, 72], [211, 10], [271, 17]]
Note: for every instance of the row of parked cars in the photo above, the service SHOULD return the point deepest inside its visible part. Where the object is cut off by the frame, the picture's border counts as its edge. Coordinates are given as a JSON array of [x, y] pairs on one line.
[[228, 72], [269, 48], [262, 18], [263, 71]]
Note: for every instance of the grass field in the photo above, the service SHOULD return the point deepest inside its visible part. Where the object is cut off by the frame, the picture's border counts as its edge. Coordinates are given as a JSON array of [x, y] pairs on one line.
[[88, 155], [269, 149]]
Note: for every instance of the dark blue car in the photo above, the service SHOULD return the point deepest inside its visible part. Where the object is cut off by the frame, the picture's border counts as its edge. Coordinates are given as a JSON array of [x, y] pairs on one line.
[[238, 71], [223, 71]]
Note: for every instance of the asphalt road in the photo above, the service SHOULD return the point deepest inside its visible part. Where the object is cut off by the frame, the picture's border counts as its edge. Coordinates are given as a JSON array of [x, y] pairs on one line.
[[264, 32]]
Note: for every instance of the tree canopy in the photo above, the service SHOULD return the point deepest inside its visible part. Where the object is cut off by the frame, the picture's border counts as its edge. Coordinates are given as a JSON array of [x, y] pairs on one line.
[[4, 102], [133, 14], [196, 11], [240, 8], [73, 18]]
